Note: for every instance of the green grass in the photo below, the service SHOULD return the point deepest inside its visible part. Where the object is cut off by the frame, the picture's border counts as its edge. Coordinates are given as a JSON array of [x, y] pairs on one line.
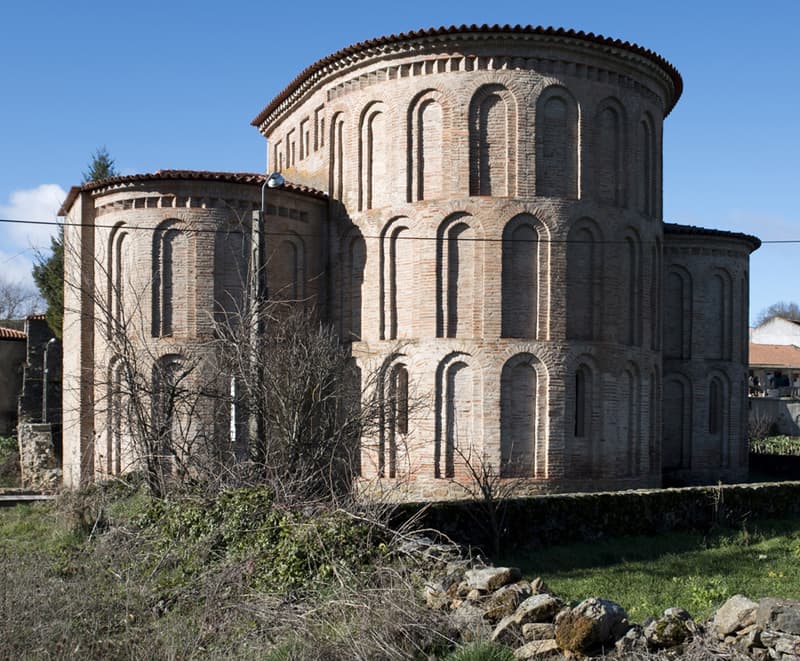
[[782, 445], [649, 574]]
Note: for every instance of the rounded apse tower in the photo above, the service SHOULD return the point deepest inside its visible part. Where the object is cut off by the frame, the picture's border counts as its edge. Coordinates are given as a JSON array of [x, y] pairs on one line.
[[496, 248]]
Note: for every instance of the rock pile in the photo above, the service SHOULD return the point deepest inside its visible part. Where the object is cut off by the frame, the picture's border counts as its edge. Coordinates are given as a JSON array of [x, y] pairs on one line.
[[768, 629], [495, 603]]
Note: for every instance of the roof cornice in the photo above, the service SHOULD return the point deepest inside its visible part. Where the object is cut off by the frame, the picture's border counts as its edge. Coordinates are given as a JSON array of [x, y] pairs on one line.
[[351, 54], [247, 178]]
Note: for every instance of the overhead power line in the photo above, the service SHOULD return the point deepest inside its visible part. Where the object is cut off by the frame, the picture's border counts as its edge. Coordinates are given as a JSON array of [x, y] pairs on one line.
[[211, 230]]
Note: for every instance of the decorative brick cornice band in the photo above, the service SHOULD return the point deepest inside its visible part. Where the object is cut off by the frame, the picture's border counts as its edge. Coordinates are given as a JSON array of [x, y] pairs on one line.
[[423, 39]]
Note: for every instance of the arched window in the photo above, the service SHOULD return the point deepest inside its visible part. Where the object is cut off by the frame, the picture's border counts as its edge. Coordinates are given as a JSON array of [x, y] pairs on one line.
[[556, 144], [172, 289], [168, 425], [631, 274], [718, 417], [655, 297], [609, 147], [520, 285], [582, 419], [455, 257], [397, 280], [426, 159], [118, 273], [647, 168], [677, 423], [584, 282], [373, 150], [493, 142], [583, 401], [337, 142], [719, 316], [231, 257], [628, 424], [519, 416], [355, 258], [118, 440], [289, 270], [455, 401], [677, 313], [394, 414]]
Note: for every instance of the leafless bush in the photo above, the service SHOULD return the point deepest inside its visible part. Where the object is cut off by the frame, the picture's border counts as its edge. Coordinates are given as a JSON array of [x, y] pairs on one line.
[[759, 425], [490, 492]]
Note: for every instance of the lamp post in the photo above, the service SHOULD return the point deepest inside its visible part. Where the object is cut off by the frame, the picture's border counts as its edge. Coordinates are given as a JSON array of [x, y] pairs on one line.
[[46, 377], [275, 180], [256, 297]]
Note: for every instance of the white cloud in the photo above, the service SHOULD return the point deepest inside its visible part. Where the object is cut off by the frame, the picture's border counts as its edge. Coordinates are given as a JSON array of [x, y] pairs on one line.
[[41, 204], [21, 242]]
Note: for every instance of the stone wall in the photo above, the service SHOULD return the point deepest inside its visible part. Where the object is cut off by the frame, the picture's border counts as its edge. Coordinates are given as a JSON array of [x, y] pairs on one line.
[[557, 519], [783, 413], [41, 468]]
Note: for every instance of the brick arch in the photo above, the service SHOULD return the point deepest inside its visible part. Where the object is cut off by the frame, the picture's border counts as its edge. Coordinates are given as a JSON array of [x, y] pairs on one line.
[[338, 154], [719, 314], [608, 154], [288, 269], [231, 262], [397, 285], [646, 178], [169, 422], [629, 427], [373, 149], [584, 412], [428, 122], [173, 284], [493, 141], [458, 287], [118, 272], [393, 404], [525, 278], [678, 308], [654, 420], [351, 280], [585, 269], [457, 391], [119, 443], [656, 303], [523, 382], [629, 268], [557, 143], [718, 419]]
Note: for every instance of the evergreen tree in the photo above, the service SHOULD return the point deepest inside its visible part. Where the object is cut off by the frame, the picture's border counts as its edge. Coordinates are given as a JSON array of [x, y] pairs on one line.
[[100, 167], [48, 272]]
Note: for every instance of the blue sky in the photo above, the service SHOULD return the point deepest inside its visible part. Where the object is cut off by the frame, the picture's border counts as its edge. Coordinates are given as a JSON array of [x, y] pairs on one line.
[[175, 84]]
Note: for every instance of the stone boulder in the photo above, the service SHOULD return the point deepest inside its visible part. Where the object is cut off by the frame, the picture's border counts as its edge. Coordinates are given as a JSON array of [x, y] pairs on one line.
[[506, 600], [537, 608], [536, 649], [591, 625], [489, 579], [672, 629], [779, 614], [735, 614]]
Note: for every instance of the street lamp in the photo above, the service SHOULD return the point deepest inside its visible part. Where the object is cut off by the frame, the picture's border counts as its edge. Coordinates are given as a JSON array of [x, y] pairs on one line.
[[275, 180], [257, 295]]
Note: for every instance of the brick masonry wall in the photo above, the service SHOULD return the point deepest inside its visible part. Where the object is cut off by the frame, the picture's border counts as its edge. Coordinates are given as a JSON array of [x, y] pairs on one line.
[[540, 358], [436, 297], [168, 260]]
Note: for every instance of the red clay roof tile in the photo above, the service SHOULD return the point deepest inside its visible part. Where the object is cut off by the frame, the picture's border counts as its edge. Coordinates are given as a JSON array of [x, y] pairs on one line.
[[12, 334]]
